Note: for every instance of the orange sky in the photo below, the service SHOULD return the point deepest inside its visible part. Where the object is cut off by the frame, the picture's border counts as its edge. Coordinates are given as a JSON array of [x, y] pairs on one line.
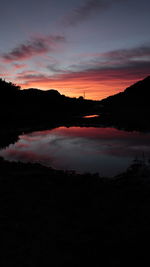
[[75, 88], [77, 46]]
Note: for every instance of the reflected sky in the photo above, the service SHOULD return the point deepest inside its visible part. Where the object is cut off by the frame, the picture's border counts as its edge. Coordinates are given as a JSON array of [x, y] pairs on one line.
[[105, 150], [90, 116]]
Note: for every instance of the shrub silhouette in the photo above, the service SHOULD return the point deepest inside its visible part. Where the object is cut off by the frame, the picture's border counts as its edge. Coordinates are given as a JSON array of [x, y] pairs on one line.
[[8, 88]]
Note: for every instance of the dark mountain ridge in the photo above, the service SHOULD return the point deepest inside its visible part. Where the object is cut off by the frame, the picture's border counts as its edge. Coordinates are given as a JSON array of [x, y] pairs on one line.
[[137, 94], [61, 219], [35, 106], [130, 109]]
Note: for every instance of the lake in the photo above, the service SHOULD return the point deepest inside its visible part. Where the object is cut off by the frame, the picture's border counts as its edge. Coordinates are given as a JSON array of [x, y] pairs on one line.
[[107, 151]]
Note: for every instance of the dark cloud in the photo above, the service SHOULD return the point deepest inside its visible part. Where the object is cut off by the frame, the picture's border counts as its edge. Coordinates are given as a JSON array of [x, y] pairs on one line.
[[120, 65], [36, 46], [54, 68], [128, 54], [137, 57], [121, 58], [29, 77], [132, 71], [86, 10]]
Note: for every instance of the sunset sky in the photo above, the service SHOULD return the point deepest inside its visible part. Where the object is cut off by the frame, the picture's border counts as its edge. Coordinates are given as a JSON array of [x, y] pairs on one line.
[[94, 46]]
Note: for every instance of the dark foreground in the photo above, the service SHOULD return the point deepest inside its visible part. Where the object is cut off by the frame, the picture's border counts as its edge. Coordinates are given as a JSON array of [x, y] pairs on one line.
[[56, 218]]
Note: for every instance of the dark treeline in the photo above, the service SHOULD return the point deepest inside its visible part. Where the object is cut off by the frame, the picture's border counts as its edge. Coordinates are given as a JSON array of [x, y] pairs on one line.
[[34, 106], [33, 109], [58, 218], [129, 109]]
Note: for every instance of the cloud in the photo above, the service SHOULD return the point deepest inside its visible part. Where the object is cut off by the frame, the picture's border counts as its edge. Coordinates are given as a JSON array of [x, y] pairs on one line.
[[34, 47], [27, 73], [88, 9], [19, 66], [99, 76], [129, 54], [125, 63], [54, 67], [17, 153], [116, 59], [88, 77], [5, 72]]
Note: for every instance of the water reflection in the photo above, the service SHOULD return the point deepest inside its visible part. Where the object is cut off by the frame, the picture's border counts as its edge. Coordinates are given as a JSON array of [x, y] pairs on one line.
[[90, 116], [104, 150]]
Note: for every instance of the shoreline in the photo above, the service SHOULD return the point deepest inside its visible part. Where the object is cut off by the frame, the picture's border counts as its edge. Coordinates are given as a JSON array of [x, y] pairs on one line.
[[68, 214]]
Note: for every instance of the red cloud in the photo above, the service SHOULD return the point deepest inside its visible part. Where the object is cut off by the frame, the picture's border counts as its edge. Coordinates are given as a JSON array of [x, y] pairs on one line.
[[99, 77], [26, 156], [36, 46], [97, 83], [19, 66]]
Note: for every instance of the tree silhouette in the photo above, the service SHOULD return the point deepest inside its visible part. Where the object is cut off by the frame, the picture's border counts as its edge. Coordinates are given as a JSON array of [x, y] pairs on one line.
[[8, 88]]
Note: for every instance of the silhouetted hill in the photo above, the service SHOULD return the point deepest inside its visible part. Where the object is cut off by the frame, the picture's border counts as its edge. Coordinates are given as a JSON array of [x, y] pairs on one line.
[[137, 94], [35, 106], [129, 109], [35, 92], [67, 219]]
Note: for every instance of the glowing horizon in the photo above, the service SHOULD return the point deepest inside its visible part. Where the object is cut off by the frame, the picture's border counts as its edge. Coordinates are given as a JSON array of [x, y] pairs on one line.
[[100, 93], [83, 46], [90, 91]]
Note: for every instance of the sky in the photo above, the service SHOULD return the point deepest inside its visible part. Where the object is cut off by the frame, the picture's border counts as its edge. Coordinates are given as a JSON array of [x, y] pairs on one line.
[[94, 48]]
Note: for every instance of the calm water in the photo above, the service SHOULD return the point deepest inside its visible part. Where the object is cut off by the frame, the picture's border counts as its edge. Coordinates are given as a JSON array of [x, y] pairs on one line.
[[105, 150], [90, 116]]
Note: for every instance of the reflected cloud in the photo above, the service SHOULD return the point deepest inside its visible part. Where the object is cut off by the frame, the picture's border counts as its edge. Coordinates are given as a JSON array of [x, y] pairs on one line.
[[104, 150]]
